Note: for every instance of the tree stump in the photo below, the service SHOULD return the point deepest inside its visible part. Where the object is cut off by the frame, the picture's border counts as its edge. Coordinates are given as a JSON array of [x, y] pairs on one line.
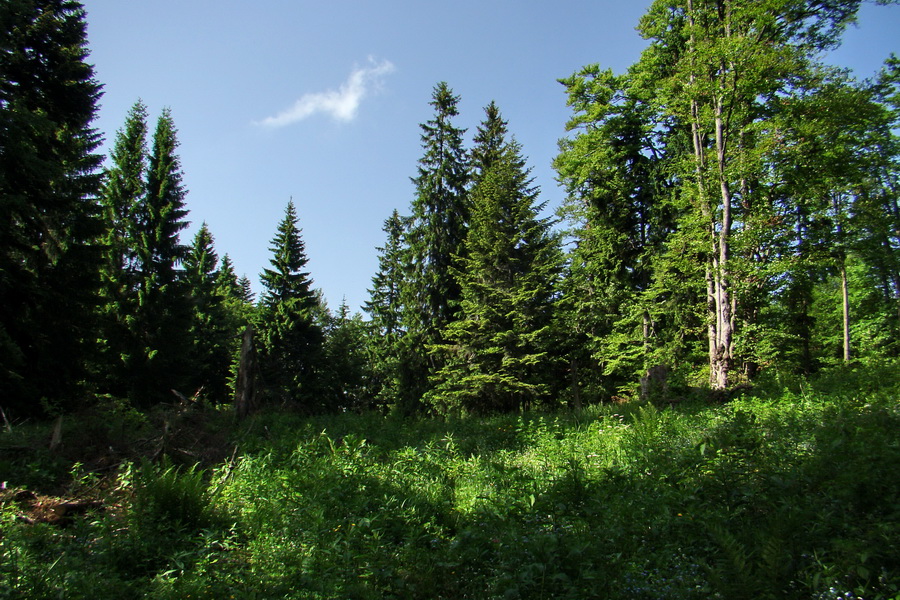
[[655, 383], [245, 386]]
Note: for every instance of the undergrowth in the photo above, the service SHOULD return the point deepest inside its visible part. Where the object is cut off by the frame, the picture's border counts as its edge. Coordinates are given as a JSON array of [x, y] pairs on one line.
[[787, 492]]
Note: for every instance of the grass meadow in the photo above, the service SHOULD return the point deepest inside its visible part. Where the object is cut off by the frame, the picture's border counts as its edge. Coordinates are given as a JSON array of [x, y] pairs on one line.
[[791, 490]]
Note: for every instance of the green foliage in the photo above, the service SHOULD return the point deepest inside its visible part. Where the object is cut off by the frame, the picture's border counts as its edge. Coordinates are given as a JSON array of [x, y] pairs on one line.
[[386, 315], [290, 339], [779, 494], [169, 496], [218, 313], [146, 312], [433, 241], [49, 216], [713, 185], [345, 369], [497, 355], [629, 294]]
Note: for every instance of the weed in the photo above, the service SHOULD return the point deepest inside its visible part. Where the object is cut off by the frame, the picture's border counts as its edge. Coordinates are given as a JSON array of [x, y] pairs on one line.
[[778, 494]]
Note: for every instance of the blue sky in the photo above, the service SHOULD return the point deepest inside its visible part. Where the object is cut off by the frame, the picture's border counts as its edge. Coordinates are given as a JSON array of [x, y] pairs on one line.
[[321, 101]]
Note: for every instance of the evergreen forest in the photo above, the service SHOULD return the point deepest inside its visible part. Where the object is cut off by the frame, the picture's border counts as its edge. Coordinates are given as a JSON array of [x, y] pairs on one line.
[[680, 384]]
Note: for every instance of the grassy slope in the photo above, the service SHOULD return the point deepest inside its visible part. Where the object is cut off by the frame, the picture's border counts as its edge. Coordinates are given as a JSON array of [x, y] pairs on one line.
[[787, 494]]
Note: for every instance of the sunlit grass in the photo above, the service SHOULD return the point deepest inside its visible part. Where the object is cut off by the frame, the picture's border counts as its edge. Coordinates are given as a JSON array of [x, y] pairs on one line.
[[786, 494]]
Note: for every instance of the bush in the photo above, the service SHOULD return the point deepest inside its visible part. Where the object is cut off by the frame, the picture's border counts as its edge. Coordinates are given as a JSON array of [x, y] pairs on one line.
[[168, 496]]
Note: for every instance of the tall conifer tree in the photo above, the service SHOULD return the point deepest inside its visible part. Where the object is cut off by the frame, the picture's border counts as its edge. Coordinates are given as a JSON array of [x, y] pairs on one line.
[[345, 365], [124, 190], [163, 320], [290, 339], [49, 217], [385, 311], [213, 333], [162, 215], [236, 299], [148, 315], [435, 237], [497, 356], [490, 143]]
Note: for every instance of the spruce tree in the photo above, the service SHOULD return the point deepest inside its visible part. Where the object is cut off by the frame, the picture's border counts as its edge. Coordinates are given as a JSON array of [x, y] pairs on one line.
[[163, 320], [123, 193], [201, 264], [489, 142], [498, 356], [345, 364], [233, 288], [227, 284], [290, 339], [385, 312], [49, 217], [161, 216], [435, 238], [246, 293], [238, 310], [213, 333], [147, 314], [124, 190]]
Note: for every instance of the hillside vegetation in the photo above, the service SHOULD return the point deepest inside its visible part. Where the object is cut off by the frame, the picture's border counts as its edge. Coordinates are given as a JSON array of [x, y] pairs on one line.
[[787, 492]]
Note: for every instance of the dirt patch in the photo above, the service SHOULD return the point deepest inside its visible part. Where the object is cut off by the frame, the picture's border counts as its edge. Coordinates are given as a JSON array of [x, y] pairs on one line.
[[31, 508], [56, 459]]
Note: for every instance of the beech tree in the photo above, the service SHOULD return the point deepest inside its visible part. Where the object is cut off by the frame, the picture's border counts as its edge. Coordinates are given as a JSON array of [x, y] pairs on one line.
[[690, 160]]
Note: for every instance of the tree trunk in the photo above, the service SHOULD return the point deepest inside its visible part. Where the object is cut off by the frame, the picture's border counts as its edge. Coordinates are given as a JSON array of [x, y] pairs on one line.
[[575, 385], [718, 295], [845, 296], [842, 268], [245, 387], [724, 302]]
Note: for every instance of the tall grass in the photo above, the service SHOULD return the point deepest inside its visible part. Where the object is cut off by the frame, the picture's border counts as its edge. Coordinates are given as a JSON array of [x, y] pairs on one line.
[[788, 494]]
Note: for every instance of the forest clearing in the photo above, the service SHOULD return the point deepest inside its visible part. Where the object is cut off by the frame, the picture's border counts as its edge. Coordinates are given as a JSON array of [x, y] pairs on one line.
[[786, 492], [681, 383]]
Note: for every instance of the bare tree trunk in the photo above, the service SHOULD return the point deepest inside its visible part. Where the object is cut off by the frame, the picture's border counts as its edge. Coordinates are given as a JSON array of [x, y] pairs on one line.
[[845, 295], [576, 386], [724, 300], [838, 208], [245, 387], [6, 422], [718, 295], [56, 436]]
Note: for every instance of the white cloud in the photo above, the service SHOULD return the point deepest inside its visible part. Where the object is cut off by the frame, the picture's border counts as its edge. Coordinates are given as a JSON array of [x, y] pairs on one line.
[[342, 104]]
